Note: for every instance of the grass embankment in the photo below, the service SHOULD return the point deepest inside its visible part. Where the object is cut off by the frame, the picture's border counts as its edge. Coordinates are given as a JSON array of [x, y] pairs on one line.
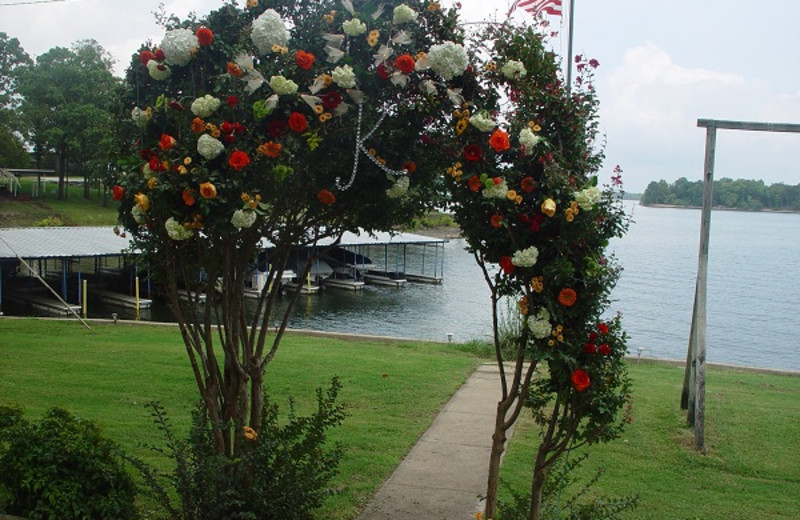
[[751, 471], [392, 390]]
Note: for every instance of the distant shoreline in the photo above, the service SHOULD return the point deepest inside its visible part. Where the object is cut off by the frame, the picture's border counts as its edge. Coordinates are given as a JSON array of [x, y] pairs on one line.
[[719, 208]]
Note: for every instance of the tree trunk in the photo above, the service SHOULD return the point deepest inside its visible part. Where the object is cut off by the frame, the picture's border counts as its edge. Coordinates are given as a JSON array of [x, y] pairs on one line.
[[498, 447], [537, 486], [61, 167]]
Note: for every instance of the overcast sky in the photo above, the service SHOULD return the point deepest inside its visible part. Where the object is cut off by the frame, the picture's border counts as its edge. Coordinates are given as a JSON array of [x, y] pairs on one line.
[[663, 65]]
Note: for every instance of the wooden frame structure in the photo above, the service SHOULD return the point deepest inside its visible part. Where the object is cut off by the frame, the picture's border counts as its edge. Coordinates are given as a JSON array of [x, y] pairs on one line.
[[694, 381]]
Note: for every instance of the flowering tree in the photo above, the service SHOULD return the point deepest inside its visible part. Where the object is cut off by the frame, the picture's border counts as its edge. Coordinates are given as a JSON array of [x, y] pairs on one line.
[[524, 190], [286, 121]]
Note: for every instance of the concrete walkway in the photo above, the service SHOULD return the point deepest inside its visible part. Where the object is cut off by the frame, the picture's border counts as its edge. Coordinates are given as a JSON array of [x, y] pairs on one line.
[[446, 471]]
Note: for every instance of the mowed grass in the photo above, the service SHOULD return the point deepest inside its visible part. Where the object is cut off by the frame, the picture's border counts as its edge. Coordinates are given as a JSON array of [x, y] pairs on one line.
[[751, 471], [46, 209], [392, 390]]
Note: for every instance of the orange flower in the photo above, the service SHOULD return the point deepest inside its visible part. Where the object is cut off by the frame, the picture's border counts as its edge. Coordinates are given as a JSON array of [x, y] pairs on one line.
[[198, 125], [204, 36], [404, 63], [166, 142], [249, 433], [567, 297], [239, 160], [188, 197], [298, 122], [304, 60], [475, 183], [208, 190], [326, 197], [234, 70], [142, 201], [271, 149], [499, 141], [496, 220], [410, 166]]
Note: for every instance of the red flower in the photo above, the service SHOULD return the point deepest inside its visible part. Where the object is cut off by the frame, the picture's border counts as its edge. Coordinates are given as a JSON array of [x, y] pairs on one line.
[[496, 220], [238, 128], [234, 70], [475, 183], [204, 36], [473, 152], [118, 192], [536, 222], [410, 166], [226, 127], [404, 63], [590, 348], [232, 101], [567, 297], [239, 160], [159, 55], [580, 380], [527, 184], [174, 105], [155, 165], [166, 142], [145, 56], [276, 128], [326, 197], [604, 349], [592, 337], [603, 328], [331, 100], [505, 263], [188, 197], [499, 141], [382, 72], [304, 60], [297, 122]]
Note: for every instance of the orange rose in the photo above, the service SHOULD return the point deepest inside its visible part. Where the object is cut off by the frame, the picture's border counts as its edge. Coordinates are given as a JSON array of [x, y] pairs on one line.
[[271, 149], [234, 70], [499, 141], [166, 142], [208, 190], [188, 197], [304, 60], [580, 380], [238, 160], [198, 125], [404, 63], [204, 36], [567, 297]]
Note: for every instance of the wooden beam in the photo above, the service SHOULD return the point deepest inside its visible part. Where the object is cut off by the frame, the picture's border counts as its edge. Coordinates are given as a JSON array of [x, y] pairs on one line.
[[749, 125]]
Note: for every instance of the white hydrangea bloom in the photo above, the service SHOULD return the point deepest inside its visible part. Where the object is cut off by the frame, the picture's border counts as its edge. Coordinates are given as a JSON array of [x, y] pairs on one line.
[[399, 188], [140, 117], [176, 231], [482, 121], [514, 70], [243, 218], [269, 30], [158, 71], [281, 85], [539, 325], [587, 198], [528, 139], [344, 76], [179, 45], [205, 106], [209, 147], [138, 215], [448, 60], [525, 257], [496, 191], [403, 14], [354, 27]]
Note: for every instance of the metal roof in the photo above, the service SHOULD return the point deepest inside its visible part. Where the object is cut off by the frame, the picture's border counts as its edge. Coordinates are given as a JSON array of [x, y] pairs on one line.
[[60, 242], [76, 242]]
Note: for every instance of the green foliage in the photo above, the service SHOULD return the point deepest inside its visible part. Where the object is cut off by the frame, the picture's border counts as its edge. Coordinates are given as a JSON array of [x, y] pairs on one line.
[[743, 194], [283, 471], [49, 222], [61, 467]]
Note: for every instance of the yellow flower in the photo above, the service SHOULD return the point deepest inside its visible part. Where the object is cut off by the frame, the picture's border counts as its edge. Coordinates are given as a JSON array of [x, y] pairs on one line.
[[462, 125], [252, 3], [151, 182], [421, 55], [512, 195], [279, 48], [551, 343], [329, 17], [187, 161], [534, 127], [491, 66], [549, 207], [372, 38], [537, 284], [326, 79], [570, 216], [318, 109], [518, 199], [182, 170], [434, 6], [249, 433], [213, 130], [326, 116], [142, 201]]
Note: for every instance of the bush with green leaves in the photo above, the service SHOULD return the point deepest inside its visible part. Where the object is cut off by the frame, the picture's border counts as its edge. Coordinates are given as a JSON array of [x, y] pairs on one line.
[[60, 468], [281, 472]]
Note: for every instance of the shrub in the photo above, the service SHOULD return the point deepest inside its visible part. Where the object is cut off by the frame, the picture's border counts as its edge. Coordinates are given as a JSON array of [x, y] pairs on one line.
[[61, 468]]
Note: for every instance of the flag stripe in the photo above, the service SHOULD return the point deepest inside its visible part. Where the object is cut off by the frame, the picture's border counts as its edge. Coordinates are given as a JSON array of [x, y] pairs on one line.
[[534, 7]]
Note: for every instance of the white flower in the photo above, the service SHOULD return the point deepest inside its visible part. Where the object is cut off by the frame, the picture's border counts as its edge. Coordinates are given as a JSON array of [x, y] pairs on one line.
[[403, 14], [514, 70], [399, 188], [482, 121], [140, 117], [354, 27], [528, 139], [539, 325], [447, 59], [587, 198], [428, 87], [179, 45], [281, 85], [344, 76], [176, 231], [525, 257], [269, 30], [138, 215], [205, 106], [243, 218], [157, 70], [209, 147], [496, 191]]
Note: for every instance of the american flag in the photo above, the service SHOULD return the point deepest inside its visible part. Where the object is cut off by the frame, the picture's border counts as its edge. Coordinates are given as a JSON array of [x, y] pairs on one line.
[[535, 7]]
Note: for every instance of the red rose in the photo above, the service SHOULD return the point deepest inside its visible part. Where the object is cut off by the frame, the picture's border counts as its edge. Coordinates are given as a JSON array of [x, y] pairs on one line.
[[410, 166], [232, 101], [118, 192], [304, 60], [145, 56], [204, 36], [174, 105], [527, 184], [590, 348], [331, 100], [326, 197], [382, 72], [238, 128], [580, 380], [404, 63], [496, 220], [159, 55], [297, 122], [506, 265], [473, 152], [166, 142], [238, 160], [603, 328], [226, 127], [229, 138], [604, 349], [536, 222], [276, 128]]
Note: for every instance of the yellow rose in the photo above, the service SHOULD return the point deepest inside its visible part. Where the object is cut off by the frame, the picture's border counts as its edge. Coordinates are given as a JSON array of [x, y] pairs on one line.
[[142, 201], [549, 207]]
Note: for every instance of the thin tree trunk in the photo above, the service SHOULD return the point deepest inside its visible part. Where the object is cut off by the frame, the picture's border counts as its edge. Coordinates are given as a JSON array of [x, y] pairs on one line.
[[499, 438], [537, 485]]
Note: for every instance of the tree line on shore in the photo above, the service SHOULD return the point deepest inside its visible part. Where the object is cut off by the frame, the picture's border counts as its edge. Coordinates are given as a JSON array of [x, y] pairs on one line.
[[753, 195]]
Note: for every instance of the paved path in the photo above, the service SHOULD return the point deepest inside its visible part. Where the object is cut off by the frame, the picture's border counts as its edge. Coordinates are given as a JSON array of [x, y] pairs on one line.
[[446, 471]]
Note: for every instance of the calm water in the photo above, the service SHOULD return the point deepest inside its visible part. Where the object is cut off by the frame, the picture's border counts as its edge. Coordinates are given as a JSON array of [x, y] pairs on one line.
[[753, 291]]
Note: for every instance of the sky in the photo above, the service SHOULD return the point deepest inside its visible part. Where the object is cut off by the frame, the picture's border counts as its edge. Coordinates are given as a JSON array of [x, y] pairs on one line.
[[664, 64]]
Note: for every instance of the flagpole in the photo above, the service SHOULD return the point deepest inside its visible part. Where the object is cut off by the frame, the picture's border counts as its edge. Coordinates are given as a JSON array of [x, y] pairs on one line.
[[569, 46]]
